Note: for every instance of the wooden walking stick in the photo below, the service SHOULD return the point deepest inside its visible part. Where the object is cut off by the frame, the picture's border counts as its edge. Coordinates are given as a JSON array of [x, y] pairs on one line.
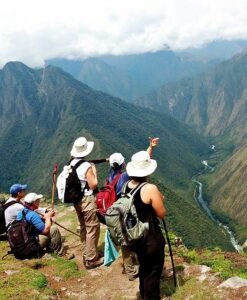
[[54, 179]]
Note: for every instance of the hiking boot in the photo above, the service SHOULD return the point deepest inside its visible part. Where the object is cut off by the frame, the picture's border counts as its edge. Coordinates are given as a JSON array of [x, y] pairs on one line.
[[69, 256], [133, 277], [66, 255], [91, 264]]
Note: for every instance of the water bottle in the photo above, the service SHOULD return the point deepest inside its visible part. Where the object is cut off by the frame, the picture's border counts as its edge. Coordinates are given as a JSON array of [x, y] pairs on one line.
[[130, 221]]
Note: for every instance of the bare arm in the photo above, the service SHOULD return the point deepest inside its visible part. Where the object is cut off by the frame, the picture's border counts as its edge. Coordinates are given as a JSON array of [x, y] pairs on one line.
[[91, 176], [153, 142], [150, 194], [47, 217]]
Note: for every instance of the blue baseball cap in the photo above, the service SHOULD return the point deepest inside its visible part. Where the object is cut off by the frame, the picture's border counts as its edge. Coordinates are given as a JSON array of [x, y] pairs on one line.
[[15, 188]]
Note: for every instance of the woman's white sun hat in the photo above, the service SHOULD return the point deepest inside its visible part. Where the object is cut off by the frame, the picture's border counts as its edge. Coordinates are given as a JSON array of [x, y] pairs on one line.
[[81, 147], [116, 158], [141, 165]]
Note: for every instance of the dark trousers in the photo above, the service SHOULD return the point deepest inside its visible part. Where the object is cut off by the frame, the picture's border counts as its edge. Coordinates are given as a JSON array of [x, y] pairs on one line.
[[151, 259]]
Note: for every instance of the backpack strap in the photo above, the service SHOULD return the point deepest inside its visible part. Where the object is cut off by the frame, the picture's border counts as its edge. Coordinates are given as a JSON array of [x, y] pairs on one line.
[[6, 205], [133, 191], [123, 191], [115, 180], [136, 189], [24, 213], [81, 161], [77, 164]]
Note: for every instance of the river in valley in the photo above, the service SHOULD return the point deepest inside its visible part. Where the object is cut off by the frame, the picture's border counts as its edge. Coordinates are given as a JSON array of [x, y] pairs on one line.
[[203, 204]]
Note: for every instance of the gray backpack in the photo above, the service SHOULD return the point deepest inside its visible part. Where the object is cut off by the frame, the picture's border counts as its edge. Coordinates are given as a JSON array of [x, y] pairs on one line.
[[122, 221]]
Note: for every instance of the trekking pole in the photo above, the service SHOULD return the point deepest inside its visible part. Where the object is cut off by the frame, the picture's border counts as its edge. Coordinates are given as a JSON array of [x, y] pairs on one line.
[[61, 226], [171, 254], [54, 176], [66, 229]]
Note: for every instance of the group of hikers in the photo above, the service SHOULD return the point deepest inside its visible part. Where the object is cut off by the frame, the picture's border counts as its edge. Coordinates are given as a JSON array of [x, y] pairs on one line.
[[145, 259]]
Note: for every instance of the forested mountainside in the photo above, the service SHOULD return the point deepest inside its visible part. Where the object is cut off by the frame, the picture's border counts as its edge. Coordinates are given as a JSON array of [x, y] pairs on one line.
[[43, 111], [213, 103], [131, 76], [227, 188]]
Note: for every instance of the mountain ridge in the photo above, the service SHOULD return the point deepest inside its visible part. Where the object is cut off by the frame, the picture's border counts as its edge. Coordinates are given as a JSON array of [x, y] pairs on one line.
[[64, 108], [213, 102]]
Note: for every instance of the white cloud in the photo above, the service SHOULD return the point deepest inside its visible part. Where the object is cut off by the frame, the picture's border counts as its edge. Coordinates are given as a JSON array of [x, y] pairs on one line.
[[32, 31]]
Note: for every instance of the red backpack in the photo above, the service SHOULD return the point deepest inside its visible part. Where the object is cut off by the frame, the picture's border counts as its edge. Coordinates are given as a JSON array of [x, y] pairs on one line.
[[107, 196]]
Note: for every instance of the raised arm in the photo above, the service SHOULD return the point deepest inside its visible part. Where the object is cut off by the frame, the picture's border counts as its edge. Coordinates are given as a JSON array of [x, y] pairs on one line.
[[153, 142]]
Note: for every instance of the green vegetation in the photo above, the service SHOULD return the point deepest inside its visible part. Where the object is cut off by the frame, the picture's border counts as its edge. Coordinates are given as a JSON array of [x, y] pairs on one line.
[[65, 268], [225, 189], [28, 277], [215, 259], [21, 282], [193, 289], [65, 109], [30, 146], [188, 221]]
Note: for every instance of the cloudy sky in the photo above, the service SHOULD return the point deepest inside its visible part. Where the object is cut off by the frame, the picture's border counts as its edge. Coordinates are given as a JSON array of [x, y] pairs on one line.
[[34, 30]]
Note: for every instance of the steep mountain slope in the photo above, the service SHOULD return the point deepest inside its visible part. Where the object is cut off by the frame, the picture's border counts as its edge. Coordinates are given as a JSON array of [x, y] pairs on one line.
[[111, 80], [43, 111], [213, 103], [228, 189], [131, 76]]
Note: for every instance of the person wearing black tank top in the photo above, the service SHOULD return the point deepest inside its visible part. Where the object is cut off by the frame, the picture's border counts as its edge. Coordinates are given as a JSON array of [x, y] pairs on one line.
[[149, 203]]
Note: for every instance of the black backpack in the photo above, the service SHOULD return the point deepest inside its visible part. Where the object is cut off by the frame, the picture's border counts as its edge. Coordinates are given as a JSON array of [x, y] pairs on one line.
[[3, 207], [73, 191], [22, 243]]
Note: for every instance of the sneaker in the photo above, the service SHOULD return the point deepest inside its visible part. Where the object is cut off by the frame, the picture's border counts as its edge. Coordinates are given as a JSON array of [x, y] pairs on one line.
[[94, 263]]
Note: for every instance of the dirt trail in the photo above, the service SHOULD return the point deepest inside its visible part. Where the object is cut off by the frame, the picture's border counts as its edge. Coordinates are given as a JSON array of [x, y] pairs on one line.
[[100, 283], [110, 283]]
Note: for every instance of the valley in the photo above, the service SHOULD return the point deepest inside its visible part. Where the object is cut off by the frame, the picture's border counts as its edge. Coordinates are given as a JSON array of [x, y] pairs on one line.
[[42, 111], [199, 198]]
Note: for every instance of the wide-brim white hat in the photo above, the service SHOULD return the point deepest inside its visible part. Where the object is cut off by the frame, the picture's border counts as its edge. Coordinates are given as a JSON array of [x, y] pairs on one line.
[[81, 147], [141, 165], [32, 197]]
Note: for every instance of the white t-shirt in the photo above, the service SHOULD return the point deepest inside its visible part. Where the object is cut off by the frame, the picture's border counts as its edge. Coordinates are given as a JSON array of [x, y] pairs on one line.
[[11, 212]]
